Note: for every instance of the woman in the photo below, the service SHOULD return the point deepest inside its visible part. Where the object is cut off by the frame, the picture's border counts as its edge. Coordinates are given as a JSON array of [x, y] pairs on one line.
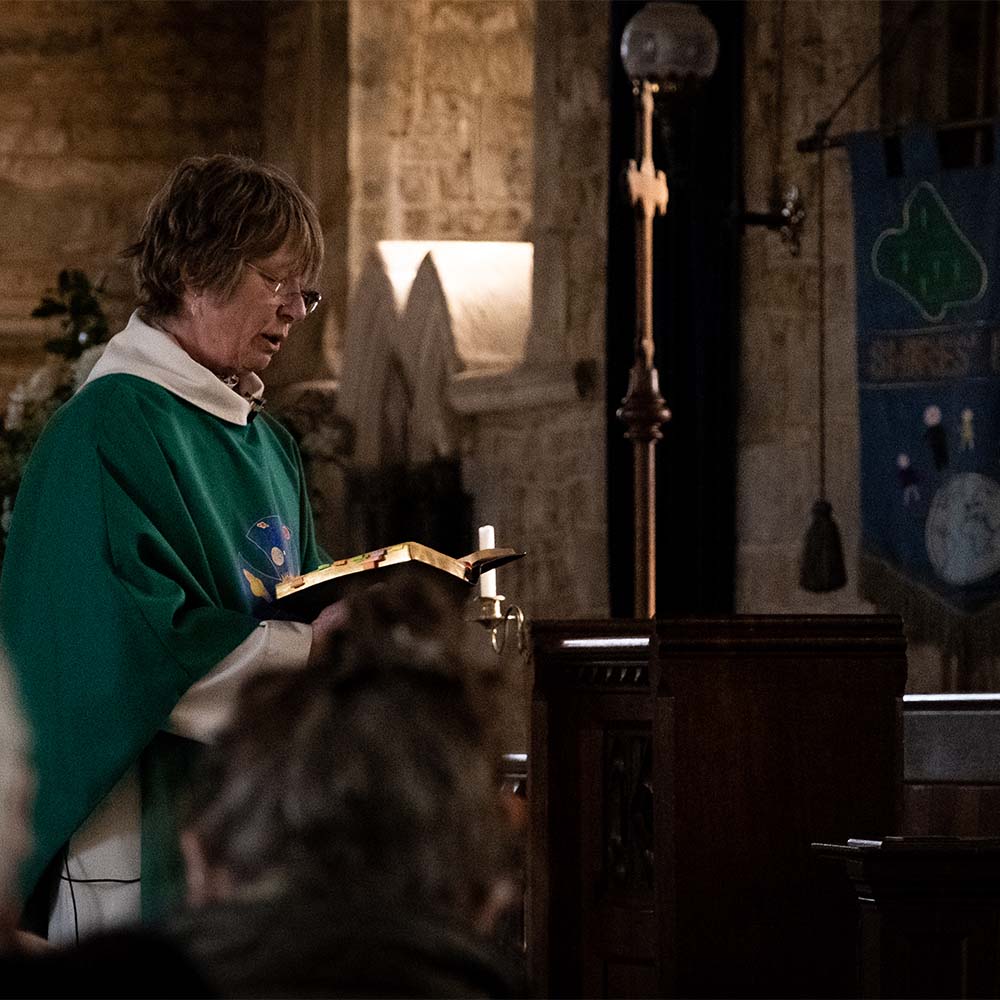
[[158, 511]]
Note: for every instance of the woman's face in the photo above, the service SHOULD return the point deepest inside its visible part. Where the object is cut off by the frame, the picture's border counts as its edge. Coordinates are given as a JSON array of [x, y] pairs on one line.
[[242, 333]]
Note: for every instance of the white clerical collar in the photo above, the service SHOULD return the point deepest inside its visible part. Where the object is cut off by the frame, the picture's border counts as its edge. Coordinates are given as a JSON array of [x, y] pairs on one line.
[[146, 352]]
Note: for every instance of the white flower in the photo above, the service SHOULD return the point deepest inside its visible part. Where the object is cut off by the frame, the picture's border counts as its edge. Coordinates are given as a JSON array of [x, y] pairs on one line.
[[85, 363], [15, 408], [40, 386], [44, 381]]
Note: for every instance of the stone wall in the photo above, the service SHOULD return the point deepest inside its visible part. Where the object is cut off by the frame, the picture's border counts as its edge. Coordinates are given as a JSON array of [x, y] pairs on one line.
[[820, 47], [566, 520], [304, 123], [99, 101], [459, 110], [440, 121], [539, 464]]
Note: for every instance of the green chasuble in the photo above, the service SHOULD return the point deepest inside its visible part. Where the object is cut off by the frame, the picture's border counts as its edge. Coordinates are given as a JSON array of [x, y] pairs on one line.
[[148, 536]]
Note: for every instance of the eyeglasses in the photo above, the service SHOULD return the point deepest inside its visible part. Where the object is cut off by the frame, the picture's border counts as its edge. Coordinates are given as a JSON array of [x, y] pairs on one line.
[[310, 297]]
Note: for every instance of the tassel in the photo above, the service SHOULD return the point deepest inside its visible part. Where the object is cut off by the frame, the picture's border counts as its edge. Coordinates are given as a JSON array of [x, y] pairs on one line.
[[822, 566]]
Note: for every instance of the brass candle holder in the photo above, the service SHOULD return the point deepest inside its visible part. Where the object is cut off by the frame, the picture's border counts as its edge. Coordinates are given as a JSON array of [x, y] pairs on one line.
[[493, 616]]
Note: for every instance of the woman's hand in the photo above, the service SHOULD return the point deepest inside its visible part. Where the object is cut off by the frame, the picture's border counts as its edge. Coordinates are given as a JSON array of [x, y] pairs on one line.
[[325, 626]]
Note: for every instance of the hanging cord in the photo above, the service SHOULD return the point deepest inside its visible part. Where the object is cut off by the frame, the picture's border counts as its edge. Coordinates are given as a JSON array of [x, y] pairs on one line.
[[779, 104], [821, 568], [821, 313], [886, 54]]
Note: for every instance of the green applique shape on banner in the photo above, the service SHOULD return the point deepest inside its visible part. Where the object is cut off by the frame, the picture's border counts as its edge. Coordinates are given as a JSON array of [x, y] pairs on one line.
[[929, 260]]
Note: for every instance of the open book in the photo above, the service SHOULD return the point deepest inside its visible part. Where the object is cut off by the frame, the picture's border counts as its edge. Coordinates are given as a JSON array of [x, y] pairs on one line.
[[303, 597]]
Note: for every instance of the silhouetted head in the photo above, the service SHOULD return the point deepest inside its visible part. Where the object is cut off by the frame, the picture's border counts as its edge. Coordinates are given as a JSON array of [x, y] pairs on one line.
[[377, 772]]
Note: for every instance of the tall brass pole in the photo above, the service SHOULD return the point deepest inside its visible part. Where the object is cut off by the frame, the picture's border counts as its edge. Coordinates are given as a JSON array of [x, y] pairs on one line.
[[643, 410]]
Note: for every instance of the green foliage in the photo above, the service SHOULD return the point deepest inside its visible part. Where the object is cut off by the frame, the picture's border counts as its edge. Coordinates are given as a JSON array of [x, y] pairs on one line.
[[83, 321], [33, 402], [23, 423]]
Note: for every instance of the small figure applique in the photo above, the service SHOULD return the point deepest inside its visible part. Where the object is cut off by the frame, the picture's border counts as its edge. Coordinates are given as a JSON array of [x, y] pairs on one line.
[[936, 437], [908, 479], [967, 439]]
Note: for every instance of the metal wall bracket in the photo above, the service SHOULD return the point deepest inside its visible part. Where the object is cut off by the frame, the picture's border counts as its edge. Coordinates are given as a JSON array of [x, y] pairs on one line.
[[785, 218]]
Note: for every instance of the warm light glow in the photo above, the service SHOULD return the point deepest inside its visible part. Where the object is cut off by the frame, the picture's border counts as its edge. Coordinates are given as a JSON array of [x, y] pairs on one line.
[[464, 258], [616, 642], [484, 290], [972, 696], [401, 259]]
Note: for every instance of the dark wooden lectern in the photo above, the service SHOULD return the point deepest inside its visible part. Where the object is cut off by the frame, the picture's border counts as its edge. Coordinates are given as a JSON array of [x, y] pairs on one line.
[[679, 771]]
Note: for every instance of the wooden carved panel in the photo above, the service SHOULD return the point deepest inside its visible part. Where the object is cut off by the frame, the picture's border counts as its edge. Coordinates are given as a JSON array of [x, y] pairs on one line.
[[628, 809]]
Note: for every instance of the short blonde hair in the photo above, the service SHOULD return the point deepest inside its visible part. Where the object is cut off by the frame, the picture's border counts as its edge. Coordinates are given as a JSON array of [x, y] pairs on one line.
[[213, 215]]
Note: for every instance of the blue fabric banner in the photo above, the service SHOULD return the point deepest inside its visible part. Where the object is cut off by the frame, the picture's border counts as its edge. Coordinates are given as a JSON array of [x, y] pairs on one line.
[[926, 244]]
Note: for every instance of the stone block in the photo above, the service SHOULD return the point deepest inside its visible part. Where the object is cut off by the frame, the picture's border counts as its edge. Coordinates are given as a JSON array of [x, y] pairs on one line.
[[776, 484], [580, 138], [453, 222], [417, 225], [102, 142], [454, 179], [508, 68], [549, 297], [189, 104], [372, 227], [30, 139], [23, 279], [391, 105], [451, 66], [43, 174], [766, 579], [457, 22], [51, 30], [508, 122], [414, 184], [842, 463], [159, 65], [17, 107], [499, 18], [451, 118]]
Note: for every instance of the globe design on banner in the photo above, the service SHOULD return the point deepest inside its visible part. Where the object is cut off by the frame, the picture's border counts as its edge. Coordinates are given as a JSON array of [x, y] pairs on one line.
[[963, 529]]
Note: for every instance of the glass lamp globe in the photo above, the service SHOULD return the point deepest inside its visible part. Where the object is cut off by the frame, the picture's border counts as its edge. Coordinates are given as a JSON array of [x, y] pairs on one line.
[[669, 43]]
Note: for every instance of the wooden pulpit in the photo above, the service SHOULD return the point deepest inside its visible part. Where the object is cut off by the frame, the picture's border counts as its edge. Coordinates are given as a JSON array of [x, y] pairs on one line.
[[678, 772]]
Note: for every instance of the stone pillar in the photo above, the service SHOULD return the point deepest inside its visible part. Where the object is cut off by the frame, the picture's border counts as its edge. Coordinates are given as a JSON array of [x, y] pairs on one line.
[[305, 125]]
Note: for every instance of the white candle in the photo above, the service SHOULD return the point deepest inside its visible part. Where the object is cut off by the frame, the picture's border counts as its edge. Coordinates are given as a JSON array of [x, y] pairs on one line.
[[487, 580]]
